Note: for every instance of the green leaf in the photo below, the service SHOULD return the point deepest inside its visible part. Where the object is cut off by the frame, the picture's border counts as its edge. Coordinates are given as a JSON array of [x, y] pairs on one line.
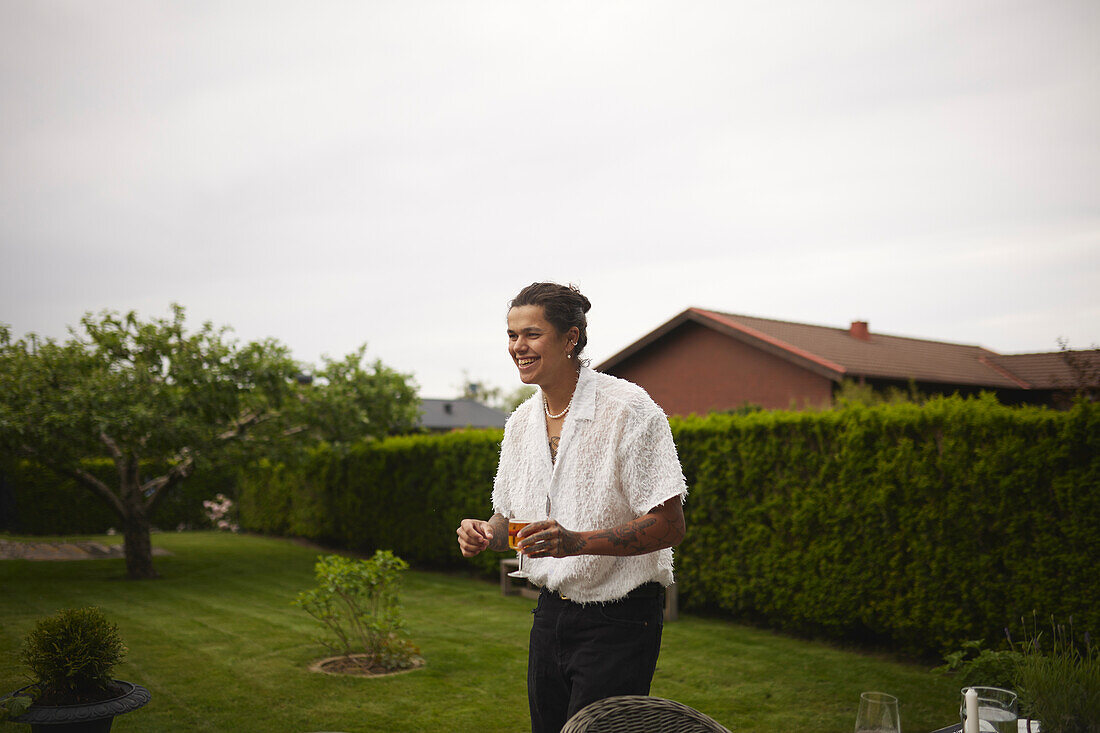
[[16, 705]]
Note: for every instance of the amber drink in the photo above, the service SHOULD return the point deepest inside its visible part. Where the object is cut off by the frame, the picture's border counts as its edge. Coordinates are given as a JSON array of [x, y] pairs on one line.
[[514, 526]]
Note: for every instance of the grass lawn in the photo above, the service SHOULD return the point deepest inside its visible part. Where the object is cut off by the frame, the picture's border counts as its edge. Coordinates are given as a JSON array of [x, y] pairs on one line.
[[220, 647]]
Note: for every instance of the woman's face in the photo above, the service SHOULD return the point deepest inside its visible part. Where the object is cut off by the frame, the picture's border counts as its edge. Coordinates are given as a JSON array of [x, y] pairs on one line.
[[537, 349]]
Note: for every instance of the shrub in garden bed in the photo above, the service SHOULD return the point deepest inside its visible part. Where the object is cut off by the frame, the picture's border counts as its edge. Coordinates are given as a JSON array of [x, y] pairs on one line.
[[357, 603]]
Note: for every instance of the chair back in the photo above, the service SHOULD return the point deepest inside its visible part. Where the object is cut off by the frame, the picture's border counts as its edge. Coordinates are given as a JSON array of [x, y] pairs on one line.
[[640, 714]]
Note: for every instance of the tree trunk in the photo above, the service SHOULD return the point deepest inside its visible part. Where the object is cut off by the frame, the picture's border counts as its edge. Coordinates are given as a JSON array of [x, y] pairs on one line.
[[135, 534], [139, 549]]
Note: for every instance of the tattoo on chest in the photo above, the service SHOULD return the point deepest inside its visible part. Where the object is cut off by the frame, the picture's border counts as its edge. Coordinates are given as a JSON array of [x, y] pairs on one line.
[[554, 447]]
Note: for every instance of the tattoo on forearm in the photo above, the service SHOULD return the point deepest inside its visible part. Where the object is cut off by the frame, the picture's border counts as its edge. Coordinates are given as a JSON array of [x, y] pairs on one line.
[[676, 528], [643, 535], [630, 536], [573, 544]]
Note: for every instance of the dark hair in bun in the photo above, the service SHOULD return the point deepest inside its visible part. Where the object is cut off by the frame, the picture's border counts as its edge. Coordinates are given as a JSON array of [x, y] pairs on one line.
[[563, 306]]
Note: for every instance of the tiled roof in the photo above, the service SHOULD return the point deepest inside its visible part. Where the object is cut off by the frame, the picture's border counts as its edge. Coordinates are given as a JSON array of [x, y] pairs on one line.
[[882, 356], [837, 354], [1054, 370]]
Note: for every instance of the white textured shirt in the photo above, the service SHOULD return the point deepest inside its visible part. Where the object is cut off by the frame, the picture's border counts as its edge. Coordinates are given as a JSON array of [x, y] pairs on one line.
[[616, 461]]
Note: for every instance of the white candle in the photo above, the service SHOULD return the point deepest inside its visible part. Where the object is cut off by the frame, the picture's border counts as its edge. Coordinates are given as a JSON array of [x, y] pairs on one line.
[[971, 697]]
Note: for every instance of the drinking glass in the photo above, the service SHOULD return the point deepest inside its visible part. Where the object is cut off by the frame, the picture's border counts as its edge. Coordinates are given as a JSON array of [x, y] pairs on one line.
[[878, 713], [996, 709], [514, 526]]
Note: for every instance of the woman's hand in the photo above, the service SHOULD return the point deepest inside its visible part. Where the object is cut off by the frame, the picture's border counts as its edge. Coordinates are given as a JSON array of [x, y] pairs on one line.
[[474, 536], [547, 538]]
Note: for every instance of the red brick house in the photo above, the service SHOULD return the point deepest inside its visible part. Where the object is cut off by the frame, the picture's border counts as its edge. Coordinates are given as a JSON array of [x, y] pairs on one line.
[[703, 360]]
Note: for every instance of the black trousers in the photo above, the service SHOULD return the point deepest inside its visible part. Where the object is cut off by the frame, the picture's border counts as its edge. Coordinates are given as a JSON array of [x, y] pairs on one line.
[[583, 653]]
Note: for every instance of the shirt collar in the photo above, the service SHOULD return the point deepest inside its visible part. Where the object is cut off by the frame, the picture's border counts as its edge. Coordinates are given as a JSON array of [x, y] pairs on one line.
[[584, 399], [584, 396]]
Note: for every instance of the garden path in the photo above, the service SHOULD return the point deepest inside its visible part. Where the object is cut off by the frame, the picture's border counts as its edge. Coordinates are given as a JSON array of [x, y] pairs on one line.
[[12, 550]]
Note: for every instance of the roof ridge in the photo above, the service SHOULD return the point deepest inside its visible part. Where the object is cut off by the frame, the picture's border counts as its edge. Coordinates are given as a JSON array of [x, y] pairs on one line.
[[1051, 353], [780, 343], [844, 330]]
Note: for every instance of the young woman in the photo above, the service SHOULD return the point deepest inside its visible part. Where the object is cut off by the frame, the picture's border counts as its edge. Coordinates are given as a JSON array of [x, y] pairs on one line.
[[591, 458]]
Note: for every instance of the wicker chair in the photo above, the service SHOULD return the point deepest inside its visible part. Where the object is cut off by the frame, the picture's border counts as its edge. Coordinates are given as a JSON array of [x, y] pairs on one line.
[[640, 714]]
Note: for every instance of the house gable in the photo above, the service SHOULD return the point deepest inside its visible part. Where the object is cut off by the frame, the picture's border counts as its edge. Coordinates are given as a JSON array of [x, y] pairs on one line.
[[695, 368]]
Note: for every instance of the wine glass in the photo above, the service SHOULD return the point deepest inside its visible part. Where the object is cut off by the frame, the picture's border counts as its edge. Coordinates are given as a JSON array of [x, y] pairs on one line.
[[878, 713], [514, 526]]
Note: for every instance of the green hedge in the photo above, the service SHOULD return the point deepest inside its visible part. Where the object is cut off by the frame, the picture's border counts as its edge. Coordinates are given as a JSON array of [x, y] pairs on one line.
[[37, 501], [404, 494], [919, 527]]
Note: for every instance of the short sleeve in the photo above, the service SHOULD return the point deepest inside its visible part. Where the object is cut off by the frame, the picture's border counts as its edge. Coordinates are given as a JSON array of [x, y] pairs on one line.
[[507, 469], [650, 472]]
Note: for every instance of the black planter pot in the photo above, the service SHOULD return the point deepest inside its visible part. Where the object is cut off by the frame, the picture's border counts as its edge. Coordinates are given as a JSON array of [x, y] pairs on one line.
[[94, 717]]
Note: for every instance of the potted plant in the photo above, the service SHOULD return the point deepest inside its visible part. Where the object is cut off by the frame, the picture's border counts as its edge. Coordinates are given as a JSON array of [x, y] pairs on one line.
[[70, 656]]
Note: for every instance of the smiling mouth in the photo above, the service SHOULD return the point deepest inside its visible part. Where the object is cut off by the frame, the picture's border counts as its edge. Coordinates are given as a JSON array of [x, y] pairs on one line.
[[525, 361]]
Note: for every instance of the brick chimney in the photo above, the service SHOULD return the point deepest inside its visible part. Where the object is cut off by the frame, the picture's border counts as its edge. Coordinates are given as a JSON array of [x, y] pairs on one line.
[[859, 330]]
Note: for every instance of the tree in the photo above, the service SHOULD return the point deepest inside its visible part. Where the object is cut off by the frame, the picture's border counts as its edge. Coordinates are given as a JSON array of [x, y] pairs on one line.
[[348, 402], [143, 394], [516, 397], [1084, 370], [494, 396]]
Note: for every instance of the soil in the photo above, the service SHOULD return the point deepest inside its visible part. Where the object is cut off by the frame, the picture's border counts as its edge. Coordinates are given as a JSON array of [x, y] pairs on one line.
[[355, 666]]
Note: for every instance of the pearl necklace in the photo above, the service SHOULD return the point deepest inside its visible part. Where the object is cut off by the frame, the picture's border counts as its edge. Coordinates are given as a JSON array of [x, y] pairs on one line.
[[546, 406]]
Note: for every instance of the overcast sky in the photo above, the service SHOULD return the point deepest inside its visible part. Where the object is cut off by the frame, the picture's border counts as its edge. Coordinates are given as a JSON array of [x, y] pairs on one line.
[[332, 173]]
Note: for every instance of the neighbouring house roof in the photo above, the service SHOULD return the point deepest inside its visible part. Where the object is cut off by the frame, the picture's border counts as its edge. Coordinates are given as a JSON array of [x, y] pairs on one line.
[[1054, 370], [838, 353], [437, 414]]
